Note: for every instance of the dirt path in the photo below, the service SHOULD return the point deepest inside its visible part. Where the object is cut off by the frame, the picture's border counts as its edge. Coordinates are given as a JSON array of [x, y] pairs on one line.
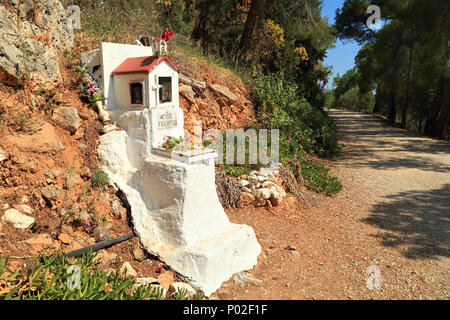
[[393, 213]]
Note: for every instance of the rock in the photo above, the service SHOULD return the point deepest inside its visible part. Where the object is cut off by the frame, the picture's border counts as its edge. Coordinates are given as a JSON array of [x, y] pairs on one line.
[[39, 242], [72, 180], [105, 259], [32, 166], [52, 174], [18, 219], [181, 286], [244, 183], [24, 199], [86, 217], [128, 269], [146, 281], [5, 206], [263, 193], [166, 279], [138, 253], [101, 234], [295, 254], [245, 277], [85, 172], [79, 134], [187, 92], [247, 198], [18, 159], [108, 128], [262, 179], [68, 118], [245, 189], [43, 33], [91, 58], [43, 141], [82, 146], [3, 155], [50, 194], [24, 209], [225, 92], [268, 184], [64, 238]]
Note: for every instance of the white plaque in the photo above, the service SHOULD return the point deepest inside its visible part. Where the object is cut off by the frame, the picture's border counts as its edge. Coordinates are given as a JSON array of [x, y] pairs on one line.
[[167, 119]]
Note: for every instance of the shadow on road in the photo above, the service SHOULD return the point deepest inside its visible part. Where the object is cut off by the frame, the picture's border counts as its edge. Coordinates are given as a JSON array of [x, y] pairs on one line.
[[418, 222], [371, 143]]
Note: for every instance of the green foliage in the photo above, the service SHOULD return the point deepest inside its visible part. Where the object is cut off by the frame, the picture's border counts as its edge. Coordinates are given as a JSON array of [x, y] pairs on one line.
[[100, 179], [54, 277], [170, 143], [316, 176], [348, 95], [237, 171], [282, 107], [406, 62]]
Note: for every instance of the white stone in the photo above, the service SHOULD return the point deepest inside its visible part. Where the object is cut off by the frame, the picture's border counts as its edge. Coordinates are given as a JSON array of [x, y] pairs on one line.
[[108, 128], [18, 219], [244, 183], [263, 193], [268, 184], [129, 269], [24, 209], [3, 155], [262, 179], [146, 281]]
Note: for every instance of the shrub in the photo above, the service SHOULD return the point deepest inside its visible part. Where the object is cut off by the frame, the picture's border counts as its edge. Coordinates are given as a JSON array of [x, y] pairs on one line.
[[49, 278], [100, 179], [280, 106]]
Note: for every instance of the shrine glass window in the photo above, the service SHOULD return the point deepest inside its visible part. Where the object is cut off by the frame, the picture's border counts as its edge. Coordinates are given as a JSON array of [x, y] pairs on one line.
[[137, 93], [165, 89]]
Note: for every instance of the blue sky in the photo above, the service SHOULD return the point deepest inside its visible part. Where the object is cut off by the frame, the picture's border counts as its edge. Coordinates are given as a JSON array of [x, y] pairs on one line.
[[342, 57]]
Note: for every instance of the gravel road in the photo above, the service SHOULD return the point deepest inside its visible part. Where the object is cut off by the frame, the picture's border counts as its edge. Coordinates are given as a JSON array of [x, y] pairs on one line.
[[393, 215]]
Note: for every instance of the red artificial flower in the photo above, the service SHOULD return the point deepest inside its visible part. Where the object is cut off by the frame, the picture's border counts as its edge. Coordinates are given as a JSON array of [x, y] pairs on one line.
[[167, 34]]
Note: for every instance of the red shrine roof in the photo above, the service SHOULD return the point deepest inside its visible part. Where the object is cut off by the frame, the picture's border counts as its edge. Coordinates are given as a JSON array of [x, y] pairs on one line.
[[141, 65]]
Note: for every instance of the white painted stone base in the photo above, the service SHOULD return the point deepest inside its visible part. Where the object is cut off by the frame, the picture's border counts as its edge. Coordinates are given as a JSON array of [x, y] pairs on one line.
[[177, 215]]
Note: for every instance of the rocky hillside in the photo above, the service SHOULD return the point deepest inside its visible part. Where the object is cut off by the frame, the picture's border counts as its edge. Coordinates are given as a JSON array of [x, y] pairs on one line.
[[219, 98], [53, 195]]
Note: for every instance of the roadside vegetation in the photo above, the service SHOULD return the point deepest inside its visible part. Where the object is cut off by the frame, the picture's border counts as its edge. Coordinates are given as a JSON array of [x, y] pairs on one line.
[[56, 277], [402, 70], [276, 47]]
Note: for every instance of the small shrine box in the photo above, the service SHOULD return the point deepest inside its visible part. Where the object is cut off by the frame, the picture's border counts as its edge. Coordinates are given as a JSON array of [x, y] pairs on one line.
[[146, 82]]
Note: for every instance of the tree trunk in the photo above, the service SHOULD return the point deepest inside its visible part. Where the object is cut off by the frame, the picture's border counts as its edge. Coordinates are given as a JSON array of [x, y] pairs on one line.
[[408, 83], [392, 107], [440, 114], [377, 106], [252, 18]]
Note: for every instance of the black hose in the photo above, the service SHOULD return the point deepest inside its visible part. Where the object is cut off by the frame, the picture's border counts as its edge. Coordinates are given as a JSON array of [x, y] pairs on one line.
[[99, 246]]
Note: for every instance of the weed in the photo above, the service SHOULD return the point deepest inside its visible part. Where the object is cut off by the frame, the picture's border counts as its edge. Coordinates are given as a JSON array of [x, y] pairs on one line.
[[56, 277], [100, 179]]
